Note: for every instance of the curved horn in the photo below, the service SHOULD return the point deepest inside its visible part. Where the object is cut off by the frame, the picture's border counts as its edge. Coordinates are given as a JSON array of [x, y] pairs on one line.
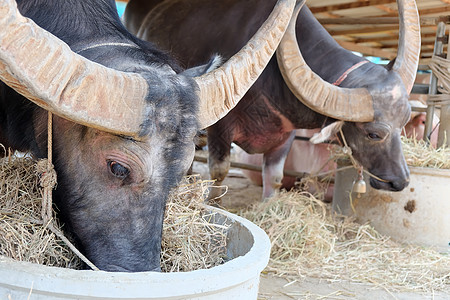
[[409, 43], [45, 70], [354, 105], [221, 89]]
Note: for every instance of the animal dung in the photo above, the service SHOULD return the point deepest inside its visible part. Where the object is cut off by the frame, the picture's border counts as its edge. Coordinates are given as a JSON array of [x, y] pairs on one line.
[[190, 241]]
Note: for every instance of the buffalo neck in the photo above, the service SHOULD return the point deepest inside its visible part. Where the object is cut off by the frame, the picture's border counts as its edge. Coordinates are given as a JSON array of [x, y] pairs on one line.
[[72, 20], [328, 59], [321, 52]]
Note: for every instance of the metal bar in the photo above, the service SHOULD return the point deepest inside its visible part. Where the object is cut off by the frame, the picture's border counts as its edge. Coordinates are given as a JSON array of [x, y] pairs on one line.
[[302, 138], [259, 168]]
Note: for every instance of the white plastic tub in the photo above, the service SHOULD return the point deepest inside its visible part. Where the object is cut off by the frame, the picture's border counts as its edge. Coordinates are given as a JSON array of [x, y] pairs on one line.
[[420, 214], [248, 249]]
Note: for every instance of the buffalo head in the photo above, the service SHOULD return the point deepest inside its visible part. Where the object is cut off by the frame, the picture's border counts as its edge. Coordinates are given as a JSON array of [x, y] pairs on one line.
[[370, 117], [122, 139]]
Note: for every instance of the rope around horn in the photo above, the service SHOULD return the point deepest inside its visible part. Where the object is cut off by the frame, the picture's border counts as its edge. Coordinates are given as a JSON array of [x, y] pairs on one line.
[[48, 182]]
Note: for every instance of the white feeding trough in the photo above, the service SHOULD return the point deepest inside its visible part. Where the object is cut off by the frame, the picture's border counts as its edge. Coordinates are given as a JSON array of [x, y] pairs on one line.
[[248, 251], [420, 214]]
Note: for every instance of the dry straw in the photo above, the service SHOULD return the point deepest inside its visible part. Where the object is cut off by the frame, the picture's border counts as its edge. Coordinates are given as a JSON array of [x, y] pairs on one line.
[[420, 154], [189, 243], [308, 241], [23, 236]]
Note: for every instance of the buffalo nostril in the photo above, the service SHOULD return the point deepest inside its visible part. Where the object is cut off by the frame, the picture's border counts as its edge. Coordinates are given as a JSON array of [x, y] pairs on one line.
[[399, 185], [395, 186]]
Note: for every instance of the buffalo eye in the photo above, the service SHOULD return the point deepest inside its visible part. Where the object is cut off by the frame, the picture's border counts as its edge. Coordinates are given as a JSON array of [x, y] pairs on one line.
[[373, 136], [117, 169]]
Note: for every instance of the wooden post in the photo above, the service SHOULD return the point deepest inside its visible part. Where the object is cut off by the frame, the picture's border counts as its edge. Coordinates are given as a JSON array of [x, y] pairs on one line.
[[444, 127], [438, 50]]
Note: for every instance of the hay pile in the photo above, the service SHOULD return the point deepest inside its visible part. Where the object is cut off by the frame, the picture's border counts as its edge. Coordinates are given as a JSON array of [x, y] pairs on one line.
[[308, 241], [23, 236], [189, 243], [419, 154]]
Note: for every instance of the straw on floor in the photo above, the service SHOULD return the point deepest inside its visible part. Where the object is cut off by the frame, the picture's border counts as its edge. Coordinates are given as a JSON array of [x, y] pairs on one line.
[[309, 241]]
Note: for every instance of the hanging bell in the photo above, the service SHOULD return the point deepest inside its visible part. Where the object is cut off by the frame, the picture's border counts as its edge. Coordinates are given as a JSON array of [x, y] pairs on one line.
[[359, 186]]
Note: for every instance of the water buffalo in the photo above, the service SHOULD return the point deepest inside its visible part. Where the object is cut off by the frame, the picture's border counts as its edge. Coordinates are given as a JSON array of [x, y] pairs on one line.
[[368, 102], [303, 157], [125, 117], [310, 158]]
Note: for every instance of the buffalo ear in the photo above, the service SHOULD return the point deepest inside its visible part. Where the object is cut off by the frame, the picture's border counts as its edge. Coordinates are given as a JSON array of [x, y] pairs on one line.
[[327, 133], [215, 62]]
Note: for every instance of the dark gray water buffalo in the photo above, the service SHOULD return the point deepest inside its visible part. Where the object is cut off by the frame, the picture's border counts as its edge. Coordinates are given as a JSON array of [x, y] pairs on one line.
[[125, 116], [367, 101]]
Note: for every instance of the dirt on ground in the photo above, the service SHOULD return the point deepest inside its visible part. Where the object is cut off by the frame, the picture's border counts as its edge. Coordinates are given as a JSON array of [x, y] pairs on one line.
[[242, 193]]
